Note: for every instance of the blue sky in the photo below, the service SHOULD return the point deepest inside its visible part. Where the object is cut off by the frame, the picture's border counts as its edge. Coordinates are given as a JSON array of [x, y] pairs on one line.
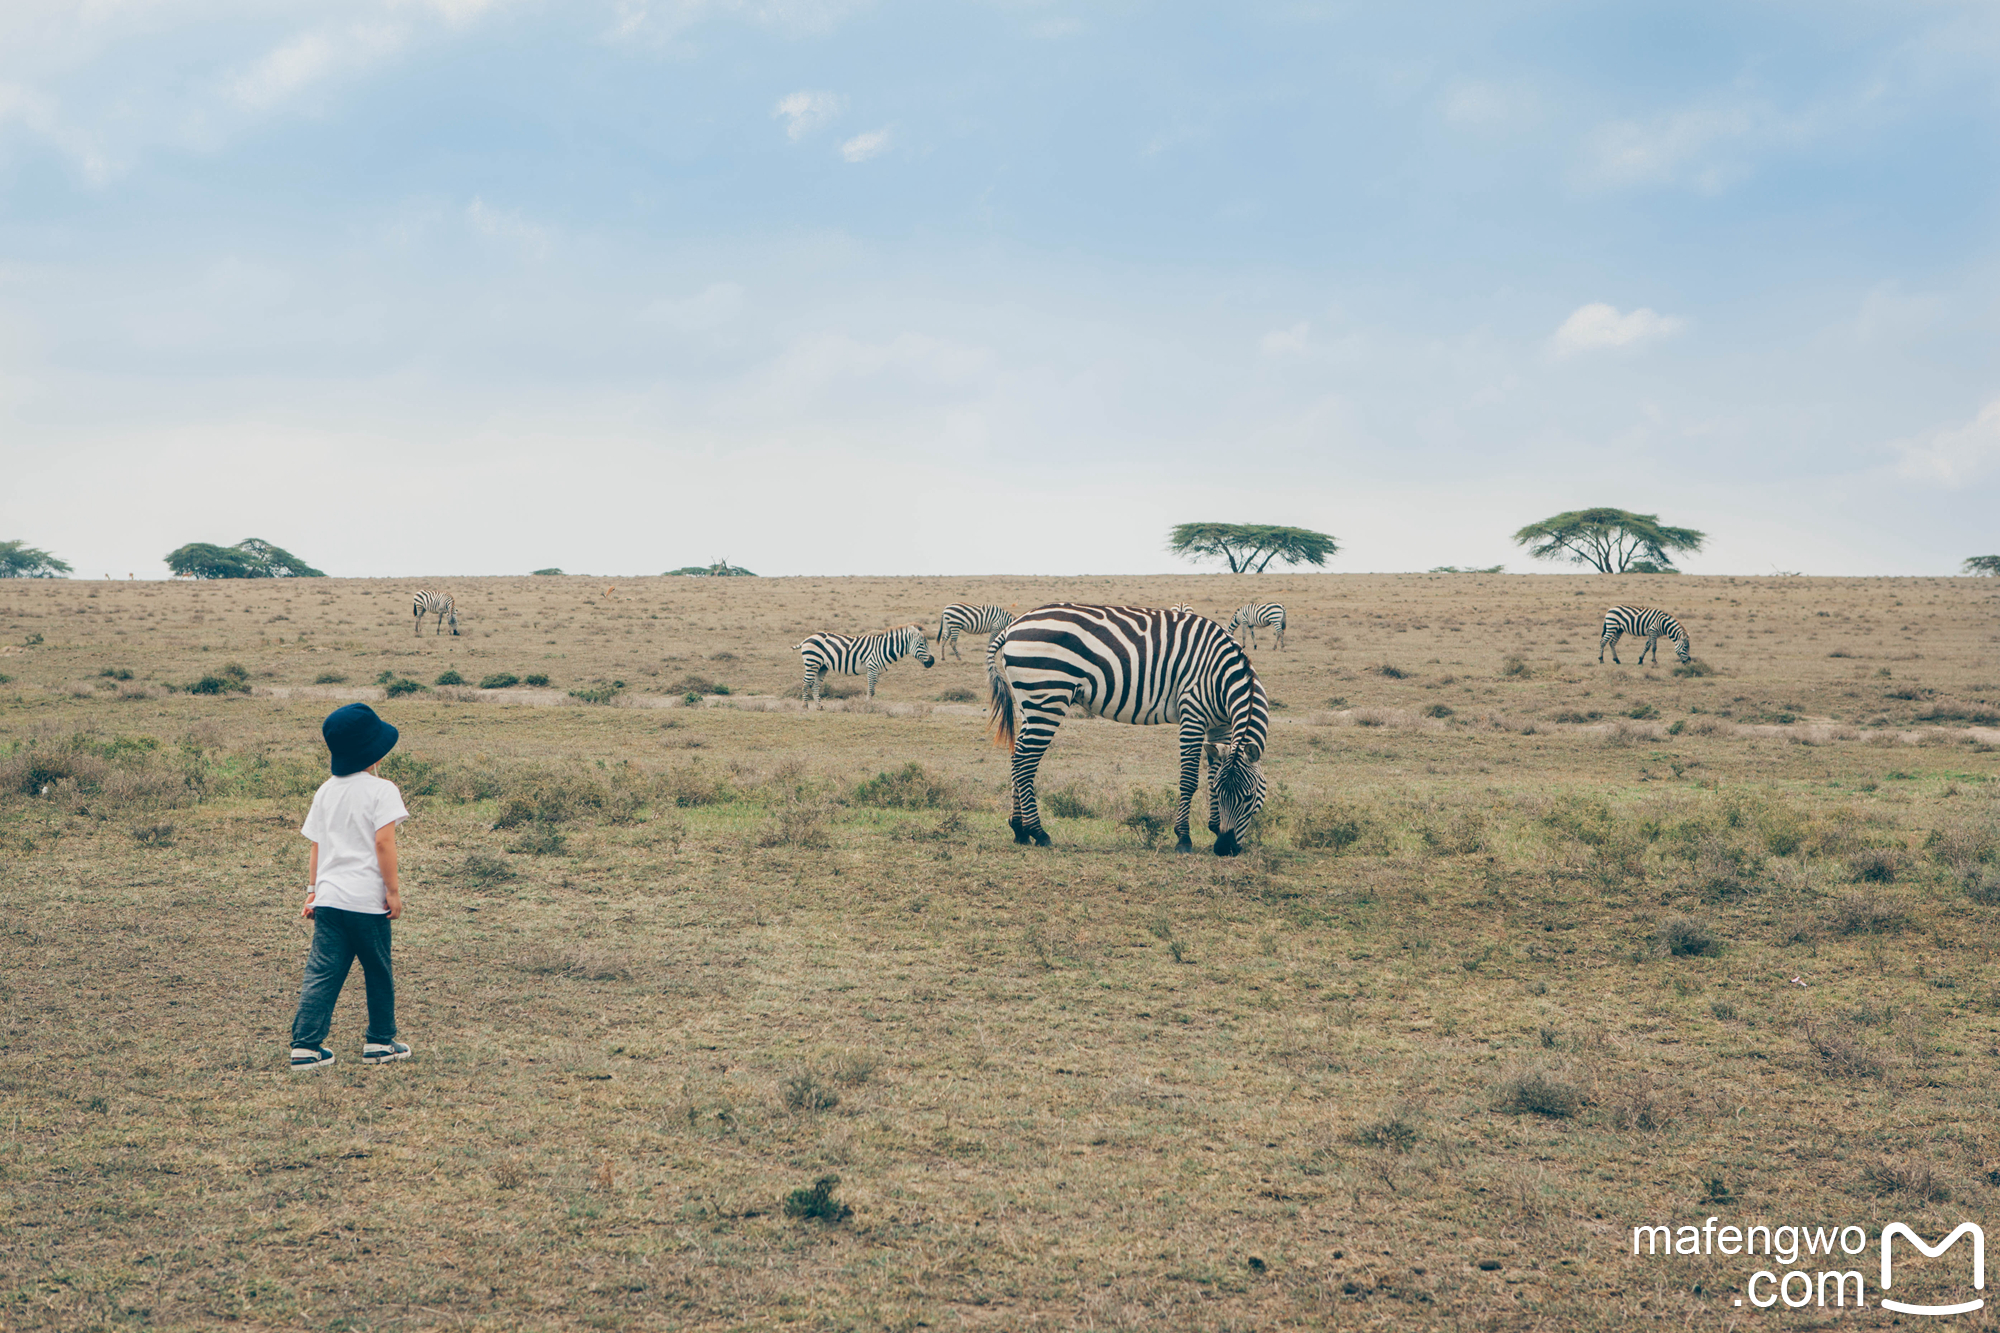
[[472, 286]]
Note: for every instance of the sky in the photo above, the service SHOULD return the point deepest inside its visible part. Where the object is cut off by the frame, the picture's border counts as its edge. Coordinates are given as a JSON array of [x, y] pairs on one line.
[[418, 287]]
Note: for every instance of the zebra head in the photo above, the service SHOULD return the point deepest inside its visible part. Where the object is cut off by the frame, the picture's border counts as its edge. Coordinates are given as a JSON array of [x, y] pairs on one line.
[[1682, 649], [1235, 794], [921, 650]]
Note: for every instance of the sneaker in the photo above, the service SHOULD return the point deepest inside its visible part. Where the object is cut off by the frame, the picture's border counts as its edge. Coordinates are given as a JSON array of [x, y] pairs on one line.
[[310, 1057], [378, 1053]]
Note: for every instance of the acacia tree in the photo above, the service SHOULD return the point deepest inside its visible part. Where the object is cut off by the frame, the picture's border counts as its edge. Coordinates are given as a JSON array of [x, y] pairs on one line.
[[1249, 547], [1982, 564], [251, 558], [18, 560], [1611, 541]]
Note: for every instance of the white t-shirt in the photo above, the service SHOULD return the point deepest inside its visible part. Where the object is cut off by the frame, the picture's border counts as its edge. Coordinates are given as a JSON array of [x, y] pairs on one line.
[[346, 815]]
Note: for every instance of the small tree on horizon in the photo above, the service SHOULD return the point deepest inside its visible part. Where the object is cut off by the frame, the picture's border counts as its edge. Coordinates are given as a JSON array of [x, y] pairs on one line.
[[1981, 564], [18, 560], [721, 569], [1611, 541], [1251, 547], [251, 558]]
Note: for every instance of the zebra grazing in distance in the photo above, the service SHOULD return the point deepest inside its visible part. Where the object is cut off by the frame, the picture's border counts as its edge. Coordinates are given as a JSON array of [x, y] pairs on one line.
[[1144, 666], [435, 604], [870, 654], [962, 616], [1249, 617], [1650, 622]]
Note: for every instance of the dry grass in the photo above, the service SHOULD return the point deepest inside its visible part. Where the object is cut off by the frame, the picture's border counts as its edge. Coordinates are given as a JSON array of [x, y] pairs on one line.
[[764, 1020]]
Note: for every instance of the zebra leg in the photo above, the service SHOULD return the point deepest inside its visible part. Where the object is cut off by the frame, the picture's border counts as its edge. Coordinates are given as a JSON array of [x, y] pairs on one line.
[[874, 674], [1191, 738], [952, 639], [810, 691], [420, 622], [1611, 639], [1031, 742], [1653, 642], [454, 624]]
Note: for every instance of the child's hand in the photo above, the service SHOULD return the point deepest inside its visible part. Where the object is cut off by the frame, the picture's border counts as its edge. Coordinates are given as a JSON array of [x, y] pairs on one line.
[[395, 903], [307, 910]]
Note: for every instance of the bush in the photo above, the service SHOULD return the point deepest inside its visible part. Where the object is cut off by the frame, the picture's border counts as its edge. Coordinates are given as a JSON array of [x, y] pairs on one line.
[[1694, 667], [499, 680], [329, 678], [1866, 914], [1516, 667], [1395, 1132], [596, 694], [486, 868], [550, 570], [536, 679], [817, 1203], [807, 1091], [449, 677], [1543, 1091], [1876, 865], [1642, 712], [1686, 937], [694, 786], [911, 787], [540, 796], [796, 824], [1068, 802], [116, 673], [1327, 827], [415, 776], [1438, 710], [1393, 673], [956, 695], [540, 839], [222, 684], [396, 689]]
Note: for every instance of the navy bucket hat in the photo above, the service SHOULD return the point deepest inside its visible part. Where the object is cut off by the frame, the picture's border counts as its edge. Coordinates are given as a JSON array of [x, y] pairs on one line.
[[356, 737]]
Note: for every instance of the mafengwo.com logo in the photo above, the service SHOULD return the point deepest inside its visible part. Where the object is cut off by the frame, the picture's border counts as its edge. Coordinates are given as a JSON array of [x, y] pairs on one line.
[[1804, 1264]]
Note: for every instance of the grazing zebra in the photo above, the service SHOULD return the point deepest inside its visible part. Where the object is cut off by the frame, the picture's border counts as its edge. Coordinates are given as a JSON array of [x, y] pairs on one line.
[[1248, 618], [1649, 621], [435, 604], [870, 654], [1144, 666], [971, 619]]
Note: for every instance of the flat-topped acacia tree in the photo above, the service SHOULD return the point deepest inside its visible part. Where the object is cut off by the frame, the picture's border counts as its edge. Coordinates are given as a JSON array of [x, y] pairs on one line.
[[1981, 564], [1611, 541], [251, 558], [1250, 547], [18, 560]]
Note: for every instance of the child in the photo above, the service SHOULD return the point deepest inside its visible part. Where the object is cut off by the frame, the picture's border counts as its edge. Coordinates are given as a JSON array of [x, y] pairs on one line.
[[353, 894]]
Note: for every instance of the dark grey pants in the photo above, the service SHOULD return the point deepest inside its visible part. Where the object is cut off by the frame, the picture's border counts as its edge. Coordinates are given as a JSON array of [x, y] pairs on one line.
[[340, 937]]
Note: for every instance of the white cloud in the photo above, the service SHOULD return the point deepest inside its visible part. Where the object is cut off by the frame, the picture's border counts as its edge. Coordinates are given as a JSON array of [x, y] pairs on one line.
[[662, 21], [1285, 342], [1599, 325], [864, 146], [1955, 454], [1710, 144], [715, 305], [805, 111], [505, 226], [37, 113], [308, 58], [1489, 107]]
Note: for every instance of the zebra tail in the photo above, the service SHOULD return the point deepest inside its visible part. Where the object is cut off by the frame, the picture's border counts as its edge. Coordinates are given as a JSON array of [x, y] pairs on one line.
[[1002, 711]]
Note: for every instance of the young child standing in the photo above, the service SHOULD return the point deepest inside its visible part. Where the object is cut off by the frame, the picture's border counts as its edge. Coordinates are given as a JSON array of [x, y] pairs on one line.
[[352, 894]]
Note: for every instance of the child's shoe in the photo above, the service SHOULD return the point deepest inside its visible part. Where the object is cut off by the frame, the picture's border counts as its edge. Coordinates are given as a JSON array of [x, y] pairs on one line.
[[310, 1057], [379, 1053]]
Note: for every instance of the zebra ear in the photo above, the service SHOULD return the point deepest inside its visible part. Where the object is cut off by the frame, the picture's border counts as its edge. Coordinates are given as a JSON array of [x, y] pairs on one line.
[[1216, 754]]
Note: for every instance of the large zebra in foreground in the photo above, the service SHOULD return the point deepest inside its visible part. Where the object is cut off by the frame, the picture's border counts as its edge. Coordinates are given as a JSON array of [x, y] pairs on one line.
[[435, 604], [1648, 622], [963, 616], [1140, 665], [871, 654], [1248, 618]]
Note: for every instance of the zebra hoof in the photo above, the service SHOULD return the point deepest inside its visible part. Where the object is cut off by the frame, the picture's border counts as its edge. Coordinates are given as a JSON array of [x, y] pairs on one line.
[[1184, 845], [1226, 845]]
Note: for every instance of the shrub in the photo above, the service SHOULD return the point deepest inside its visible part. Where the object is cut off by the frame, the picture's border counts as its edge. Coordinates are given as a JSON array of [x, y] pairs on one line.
[[817, 1203], [1393, 673], [330, 678], [1516, 667], [1687, 937], [540, 839], [693, 786], [911, 787], [536, 679], [540, 796], [222, 684], [1842, 1055], [1642, 712], [449, 677], [486, 868], [957, 695], [550, 570], [1541, 1090], [596, 694], [1694, 667], [154, 835], [1919, 1180], [796, 824], [1438, 710], [1866, 914], [1876, 865], [1327, 827], [1068, 802], [116, 673], [415, 776], [1395, 1132], [396, 689], [808, 1091], [499, 680]]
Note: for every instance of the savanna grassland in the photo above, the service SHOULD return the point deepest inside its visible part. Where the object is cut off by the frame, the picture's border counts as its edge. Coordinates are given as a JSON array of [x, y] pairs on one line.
[[1525, 951]]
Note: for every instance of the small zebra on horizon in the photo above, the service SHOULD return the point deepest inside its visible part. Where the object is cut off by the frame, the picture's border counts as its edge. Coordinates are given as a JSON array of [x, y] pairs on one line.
[[868, 654], [435, 604], [1646, 622], [1266, 613], [963, 616]]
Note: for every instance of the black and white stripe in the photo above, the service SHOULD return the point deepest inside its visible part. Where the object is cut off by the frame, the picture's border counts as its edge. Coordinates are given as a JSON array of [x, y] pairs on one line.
[[435, 604], [1144, 666], [963, 616], [1248, 618], [1648, 622], [870, 654]]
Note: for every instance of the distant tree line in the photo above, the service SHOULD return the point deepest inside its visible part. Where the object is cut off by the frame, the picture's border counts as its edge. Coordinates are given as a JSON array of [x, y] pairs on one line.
[[251, 558]]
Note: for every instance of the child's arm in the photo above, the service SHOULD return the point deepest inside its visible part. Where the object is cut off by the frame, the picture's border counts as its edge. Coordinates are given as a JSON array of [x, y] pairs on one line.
[[312, 882], [385, 856]]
